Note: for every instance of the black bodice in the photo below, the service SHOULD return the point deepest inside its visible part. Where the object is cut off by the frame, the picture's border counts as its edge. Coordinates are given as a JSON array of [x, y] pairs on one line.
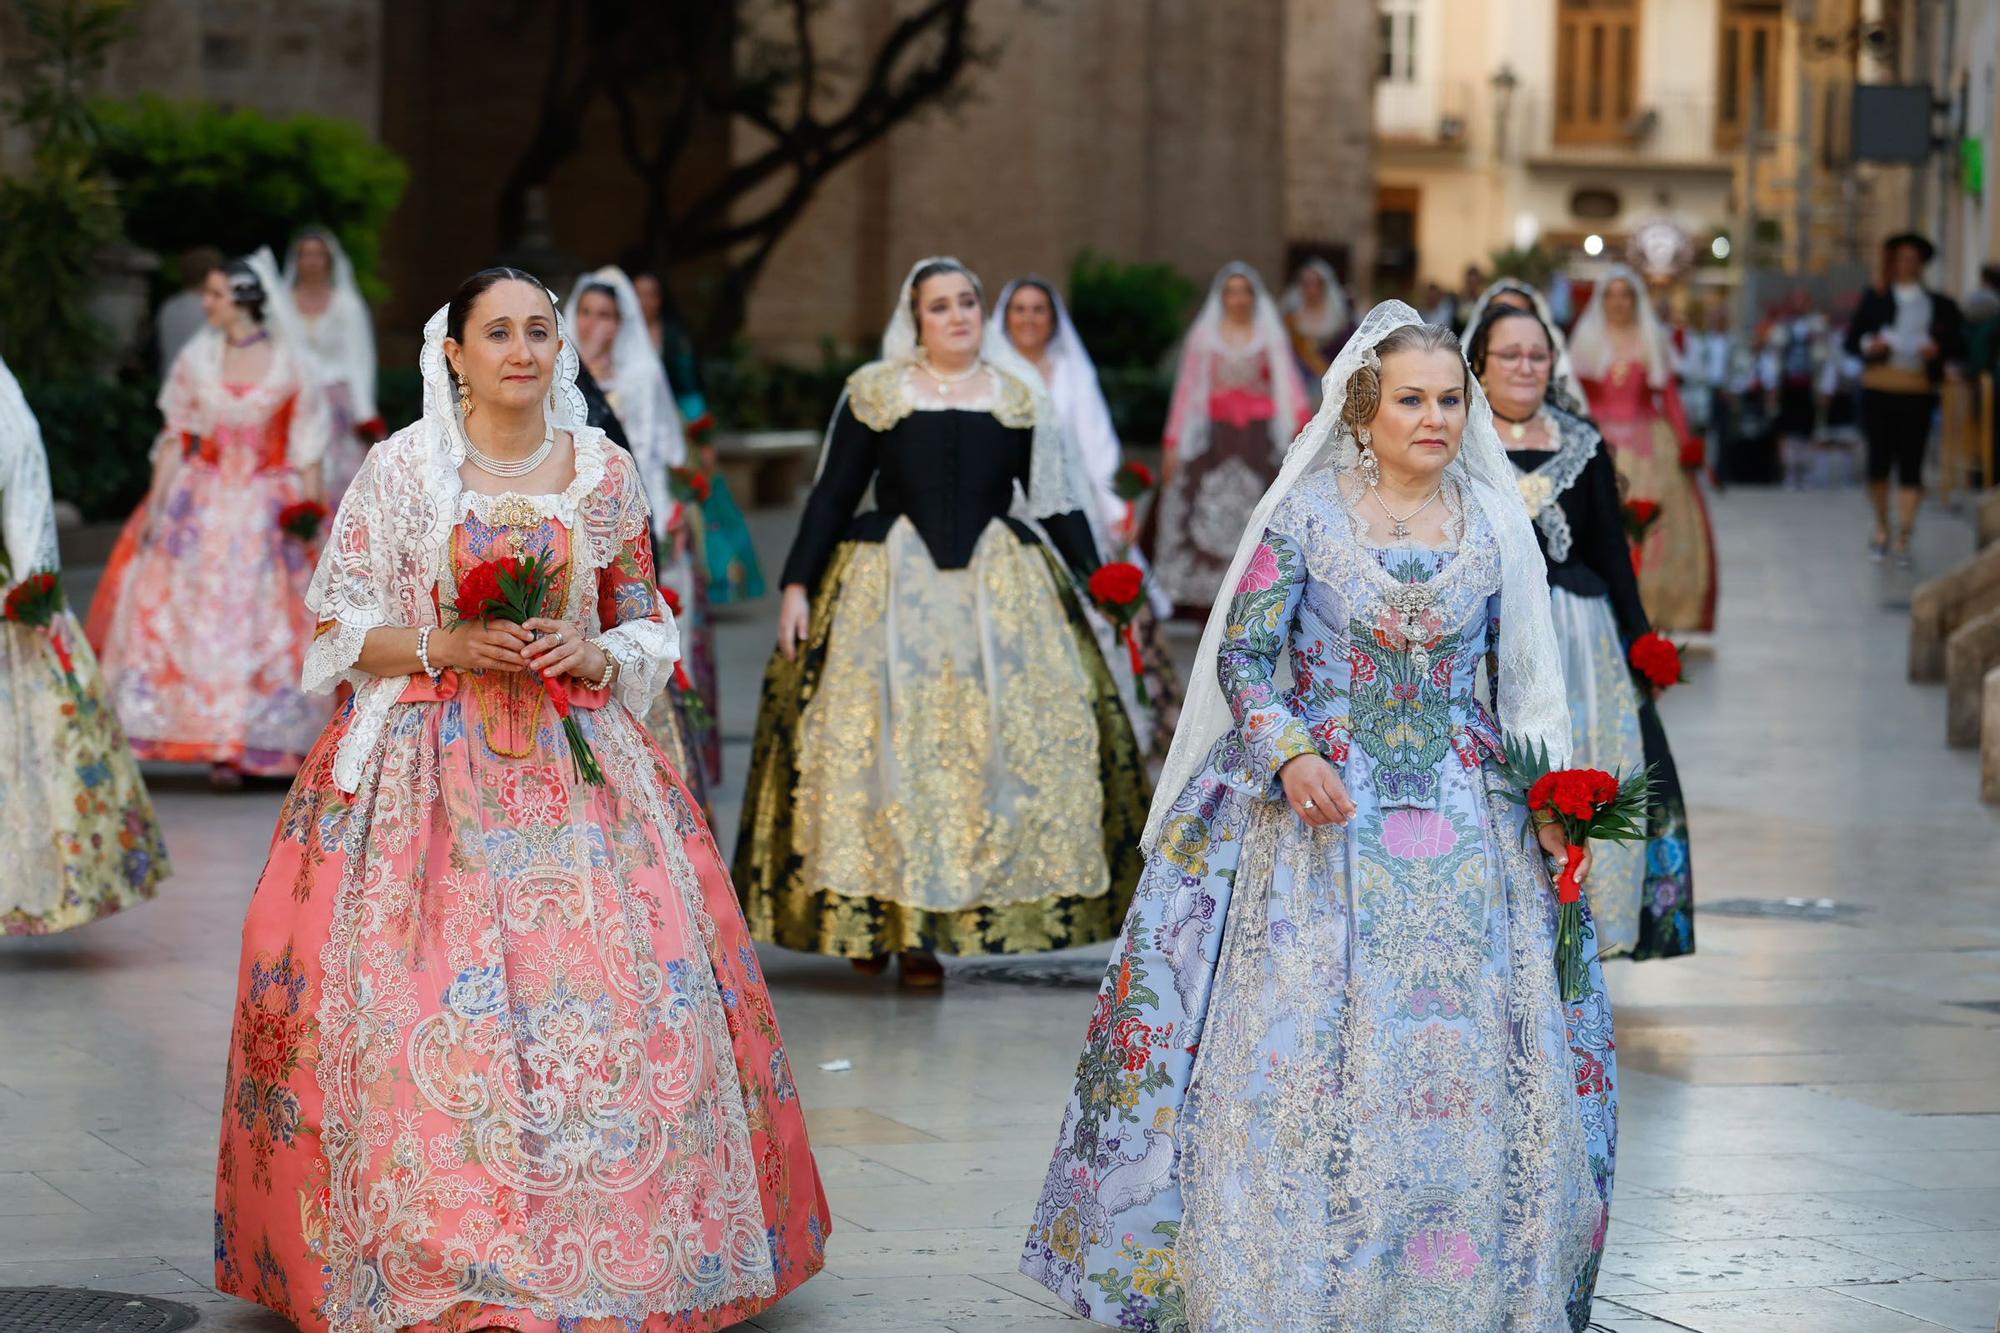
[[950, 472], [1599, 561]]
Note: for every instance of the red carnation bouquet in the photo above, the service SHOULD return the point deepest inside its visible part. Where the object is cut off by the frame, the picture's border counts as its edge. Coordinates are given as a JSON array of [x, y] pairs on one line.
[[690, 698], [1119, 589], [515, 588], [1588, 803], [302, 519], [688, 485], [1694, 454], [1655, 657], [1132, 483], [36, 601]]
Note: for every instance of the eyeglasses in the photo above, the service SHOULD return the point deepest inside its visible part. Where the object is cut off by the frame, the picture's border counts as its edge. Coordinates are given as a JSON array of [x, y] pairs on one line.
[[1514, 357]]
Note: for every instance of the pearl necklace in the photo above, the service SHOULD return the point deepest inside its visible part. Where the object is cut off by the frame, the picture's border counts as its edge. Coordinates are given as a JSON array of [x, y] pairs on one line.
[[946, 383], [520, 467]]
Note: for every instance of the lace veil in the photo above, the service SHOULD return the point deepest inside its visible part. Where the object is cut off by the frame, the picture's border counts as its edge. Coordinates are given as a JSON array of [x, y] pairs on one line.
[[644, 401], [354, 356], [1188, 423], [1329, 321], [1533, 704], [1057, 480], [1562, 375], [1590, 340], [1078, 396], [27, 510]]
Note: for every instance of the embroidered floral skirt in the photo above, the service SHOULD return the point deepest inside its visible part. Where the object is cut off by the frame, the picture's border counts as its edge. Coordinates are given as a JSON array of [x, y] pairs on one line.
[[78, 839], [1330, 1086], [1203, 509], [946, 765], [503, 1055], [1676, 564], [202, 627]]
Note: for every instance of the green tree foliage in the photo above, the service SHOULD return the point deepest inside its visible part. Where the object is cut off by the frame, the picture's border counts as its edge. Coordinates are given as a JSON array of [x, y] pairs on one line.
[[1533, 265], [190, 174], [1128, 315], [55, 219], [97, 435]]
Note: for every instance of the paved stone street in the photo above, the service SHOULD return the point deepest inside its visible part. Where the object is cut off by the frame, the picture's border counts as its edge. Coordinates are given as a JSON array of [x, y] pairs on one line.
[[1811, 1126]]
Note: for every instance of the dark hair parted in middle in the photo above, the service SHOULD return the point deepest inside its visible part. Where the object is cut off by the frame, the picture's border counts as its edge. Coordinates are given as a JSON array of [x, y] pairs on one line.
[[472, 289]]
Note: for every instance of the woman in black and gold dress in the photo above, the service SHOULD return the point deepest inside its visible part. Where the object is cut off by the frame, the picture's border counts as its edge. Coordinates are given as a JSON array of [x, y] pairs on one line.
[[941, 761]]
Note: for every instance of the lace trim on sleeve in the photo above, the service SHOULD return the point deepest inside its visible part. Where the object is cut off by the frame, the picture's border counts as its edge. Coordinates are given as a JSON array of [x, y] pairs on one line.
[[645, 651], [332, 656]]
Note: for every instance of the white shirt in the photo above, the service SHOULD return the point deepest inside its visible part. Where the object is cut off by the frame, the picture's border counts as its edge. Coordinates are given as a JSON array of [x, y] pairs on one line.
[[1911, 329]]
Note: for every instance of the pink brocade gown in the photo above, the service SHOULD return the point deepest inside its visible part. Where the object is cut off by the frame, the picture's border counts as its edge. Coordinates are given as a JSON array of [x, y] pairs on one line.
[[200, 624], [503, 1054], [1645, 428]]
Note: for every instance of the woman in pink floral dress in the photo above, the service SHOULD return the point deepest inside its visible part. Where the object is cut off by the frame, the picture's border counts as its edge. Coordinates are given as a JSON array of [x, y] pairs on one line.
[[200, 621], [503, 1055]]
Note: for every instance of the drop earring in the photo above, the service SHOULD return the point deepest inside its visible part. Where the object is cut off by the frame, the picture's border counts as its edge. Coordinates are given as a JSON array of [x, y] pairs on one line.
[[1369, 467], [464, 399]]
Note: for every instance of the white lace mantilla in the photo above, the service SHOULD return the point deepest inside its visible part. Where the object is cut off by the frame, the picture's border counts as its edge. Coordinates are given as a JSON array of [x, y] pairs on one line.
[[391, 547]]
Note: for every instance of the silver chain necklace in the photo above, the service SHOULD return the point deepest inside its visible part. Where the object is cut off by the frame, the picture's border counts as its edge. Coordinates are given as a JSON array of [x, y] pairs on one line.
[[1399, 527], [520, 467]]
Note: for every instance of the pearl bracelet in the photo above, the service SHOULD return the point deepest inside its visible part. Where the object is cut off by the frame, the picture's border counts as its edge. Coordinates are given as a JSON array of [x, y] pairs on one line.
[[424, 652], [610, 670]]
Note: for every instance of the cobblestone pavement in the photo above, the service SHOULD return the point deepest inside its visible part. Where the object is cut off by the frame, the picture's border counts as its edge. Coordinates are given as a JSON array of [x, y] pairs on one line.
[[1811, 1106]]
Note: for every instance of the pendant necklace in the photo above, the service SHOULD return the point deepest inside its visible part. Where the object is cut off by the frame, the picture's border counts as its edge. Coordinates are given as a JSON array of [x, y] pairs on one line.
[[1399, 526], [1517, 431], [519, 467], [945, 383]]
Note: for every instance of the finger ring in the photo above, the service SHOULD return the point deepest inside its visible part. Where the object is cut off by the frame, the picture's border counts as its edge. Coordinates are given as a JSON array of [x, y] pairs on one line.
[[1311, 804], [559, 636]]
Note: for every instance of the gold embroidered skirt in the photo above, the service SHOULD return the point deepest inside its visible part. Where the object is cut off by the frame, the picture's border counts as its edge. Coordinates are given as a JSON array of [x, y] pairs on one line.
[[945, 765]]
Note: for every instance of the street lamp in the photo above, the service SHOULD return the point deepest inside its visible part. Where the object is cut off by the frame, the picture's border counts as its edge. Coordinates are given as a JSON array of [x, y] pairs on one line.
[[1503, 83], [1593, 245]]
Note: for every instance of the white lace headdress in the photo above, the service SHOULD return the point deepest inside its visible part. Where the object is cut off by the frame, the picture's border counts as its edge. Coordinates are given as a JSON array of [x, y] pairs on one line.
[[27, 510], [1204, 340], [1533, 705], [356, 333], [645, 403], [1563, 374], [1590, 340], [1333, 315], [1077, 393], [1057, 480]]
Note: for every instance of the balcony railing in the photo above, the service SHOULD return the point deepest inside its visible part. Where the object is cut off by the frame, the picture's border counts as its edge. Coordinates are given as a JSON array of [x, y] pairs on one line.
[[1428, 114], [1671, 131]]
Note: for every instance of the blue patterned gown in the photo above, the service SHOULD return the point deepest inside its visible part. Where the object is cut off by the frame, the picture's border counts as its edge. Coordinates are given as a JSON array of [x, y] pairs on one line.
[[1346, 1097]]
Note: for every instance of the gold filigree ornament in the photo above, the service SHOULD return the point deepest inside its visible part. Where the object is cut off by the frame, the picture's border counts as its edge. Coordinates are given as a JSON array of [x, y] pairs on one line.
[[514, 511]]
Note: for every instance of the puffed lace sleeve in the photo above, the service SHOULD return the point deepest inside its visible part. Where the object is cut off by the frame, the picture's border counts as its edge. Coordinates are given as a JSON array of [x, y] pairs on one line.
[[349, 590], [639, 632], [180, 399]]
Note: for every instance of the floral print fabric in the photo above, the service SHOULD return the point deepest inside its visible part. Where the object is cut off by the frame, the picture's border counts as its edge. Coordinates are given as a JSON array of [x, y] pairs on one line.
[[503, 1053], [1329, 1083], [79, 840]]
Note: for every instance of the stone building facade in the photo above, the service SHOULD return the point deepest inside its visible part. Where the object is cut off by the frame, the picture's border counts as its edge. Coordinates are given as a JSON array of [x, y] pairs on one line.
[[1174, 131]]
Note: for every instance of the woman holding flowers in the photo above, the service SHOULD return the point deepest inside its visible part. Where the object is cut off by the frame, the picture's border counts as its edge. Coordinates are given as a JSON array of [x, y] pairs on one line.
[[942, 761], [1642, 893], [200, 620], [503, 1056], [78, 840], [1331, 1082]]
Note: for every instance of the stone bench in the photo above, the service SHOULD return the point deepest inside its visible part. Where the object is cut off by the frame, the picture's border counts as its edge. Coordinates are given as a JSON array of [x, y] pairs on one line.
[[1940, 606], [1972, 651], [767, 467], [1989, 741], [1987, 513]]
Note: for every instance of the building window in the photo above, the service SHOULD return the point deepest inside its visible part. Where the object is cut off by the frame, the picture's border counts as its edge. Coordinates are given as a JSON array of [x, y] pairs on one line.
[[1597, 69], [1747, 67], [1397, 22]]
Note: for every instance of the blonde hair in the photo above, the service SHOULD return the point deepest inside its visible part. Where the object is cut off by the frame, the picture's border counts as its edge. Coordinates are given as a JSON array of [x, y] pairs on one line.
[[1364, 386]]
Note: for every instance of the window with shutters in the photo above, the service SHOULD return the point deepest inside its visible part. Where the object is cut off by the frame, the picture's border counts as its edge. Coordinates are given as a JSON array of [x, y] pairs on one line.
[[1747, 67], [1597, 69]]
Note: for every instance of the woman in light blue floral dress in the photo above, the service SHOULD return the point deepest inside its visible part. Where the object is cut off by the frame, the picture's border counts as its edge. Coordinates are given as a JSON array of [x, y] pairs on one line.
[[1330, 1083]]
